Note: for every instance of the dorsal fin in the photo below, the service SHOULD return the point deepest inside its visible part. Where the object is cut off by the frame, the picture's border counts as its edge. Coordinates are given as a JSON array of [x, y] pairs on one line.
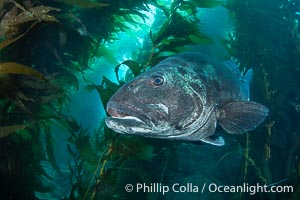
[[245, 80], [234, 68]]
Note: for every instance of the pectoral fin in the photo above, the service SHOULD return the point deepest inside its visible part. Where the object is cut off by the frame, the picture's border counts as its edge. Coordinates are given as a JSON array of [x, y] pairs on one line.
[[242, 116], [218, 142]]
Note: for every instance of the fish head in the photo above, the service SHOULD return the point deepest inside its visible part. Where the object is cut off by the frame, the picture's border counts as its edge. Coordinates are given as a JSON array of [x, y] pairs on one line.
[[153, 104]]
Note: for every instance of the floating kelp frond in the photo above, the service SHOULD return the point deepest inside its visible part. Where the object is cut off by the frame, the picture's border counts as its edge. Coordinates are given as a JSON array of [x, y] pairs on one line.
[[7, 130], [133, 66], [105, 90], [50, 150], [40, 13], [16, 68], [9, 89], [83, 4], [7, 42], [10, 23]]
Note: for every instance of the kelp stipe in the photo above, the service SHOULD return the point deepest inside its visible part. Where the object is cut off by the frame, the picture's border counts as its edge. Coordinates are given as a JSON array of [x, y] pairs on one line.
[[274, 62]]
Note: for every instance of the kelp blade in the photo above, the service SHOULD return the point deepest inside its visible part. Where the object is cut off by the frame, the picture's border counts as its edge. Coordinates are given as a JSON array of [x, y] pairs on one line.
[[7, 130], [16, 68], [7, 42], [50, 151]]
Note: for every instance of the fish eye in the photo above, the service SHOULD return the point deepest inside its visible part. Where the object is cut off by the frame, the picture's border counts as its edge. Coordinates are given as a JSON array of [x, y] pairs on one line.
[[157, 80]]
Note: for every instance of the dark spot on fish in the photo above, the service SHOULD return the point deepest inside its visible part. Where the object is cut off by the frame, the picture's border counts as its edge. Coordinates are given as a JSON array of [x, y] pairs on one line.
[[196, 87], [130, 87], [182, 71], [178, 127]]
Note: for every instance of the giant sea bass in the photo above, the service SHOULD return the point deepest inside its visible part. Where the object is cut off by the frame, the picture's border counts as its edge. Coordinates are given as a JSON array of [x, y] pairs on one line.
[[184, 97]]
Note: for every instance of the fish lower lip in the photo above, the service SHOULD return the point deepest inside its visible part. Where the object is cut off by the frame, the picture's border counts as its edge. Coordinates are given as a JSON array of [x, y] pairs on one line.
[[128, 117], [117, 114]]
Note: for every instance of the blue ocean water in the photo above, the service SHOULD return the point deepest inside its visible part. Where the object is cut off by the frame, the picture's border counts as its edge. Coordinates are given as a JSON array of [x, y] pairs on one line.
[[62, 60]]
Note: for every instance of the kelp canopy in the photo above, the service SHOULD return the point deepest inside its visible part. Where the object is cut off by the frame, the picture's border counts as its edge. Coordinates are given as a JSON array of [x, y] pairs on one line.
[[47, 50]]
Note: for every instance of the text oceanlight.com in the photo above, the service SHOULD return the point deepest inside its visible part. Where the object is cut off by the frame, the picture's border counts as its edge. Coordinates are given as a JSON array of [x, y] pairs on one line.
[[212, 187]]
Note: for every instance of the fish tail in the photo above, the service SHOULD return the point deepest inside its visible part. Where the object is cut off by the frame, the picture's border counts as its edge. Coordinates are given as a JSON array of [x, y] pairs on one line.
[[245, 84]]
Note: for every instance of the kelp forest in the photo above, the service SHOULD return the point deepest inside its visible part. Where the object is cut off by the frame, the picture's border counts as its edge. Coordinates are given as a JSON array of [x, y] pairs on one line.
[[62, 60]]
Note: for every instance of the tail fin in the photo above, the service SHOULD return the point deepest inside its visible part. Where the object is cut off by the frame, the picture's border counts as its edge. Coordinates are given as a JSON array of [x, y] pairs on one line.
[[245, 80], [245, 83]]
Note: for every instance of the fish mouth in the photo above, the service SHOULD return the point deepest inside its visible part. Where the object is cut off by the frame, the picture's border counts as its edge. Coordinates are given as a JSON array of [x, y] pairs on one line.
[[123, 112], [116, 113]]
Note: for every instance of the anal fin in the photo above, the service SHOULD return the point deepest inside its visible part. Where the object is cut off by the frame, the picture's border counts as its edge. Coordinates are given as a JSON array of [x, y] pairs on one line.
[[217, 142]]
